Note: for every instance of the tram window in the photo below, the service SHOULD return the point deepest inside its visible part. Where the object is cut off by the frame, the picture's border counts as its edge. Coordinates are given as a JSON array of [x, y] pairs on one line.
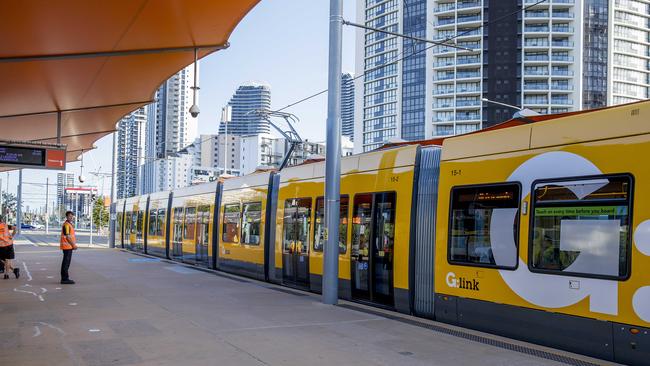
[[296, 223], [319, 225], [178, 224], [153, 222], [361, 224], [127, 223], [582, 226], [134, 222], [231, 222], [484, 225], [190, 223], [119, 222], [160, 226], [251, 219], [140, 223], [203, 221]]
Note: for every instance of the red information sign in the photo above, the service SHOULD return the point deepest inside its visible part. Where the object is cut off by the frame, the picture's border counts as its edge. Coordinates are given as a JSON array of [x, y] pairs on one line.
[[55, 159]]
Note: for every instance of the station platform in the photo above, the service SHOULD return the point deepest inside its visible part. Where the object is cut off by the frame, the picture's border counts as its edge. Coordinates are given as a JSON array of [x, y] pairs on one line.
[[128, 309]]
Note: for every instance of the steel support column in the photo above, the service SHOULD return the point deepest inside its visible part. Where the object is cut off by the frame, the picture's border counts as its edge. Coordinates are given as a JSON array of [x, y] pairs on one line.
[[112, 214], [333, 157]]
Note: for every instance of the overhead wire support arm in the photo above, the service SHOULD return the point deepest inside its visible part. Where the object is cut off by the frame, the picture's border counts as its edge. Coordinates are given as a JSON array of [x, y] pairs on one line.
[[437, 43], [291, 136]]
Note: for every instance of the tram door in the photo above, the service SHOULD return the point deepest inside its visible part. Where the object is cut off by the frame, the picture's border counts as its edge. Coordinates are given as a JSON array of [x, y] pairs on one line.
[[203, 235], [295, 242], [373, 229], [139, 233], [176, 250]]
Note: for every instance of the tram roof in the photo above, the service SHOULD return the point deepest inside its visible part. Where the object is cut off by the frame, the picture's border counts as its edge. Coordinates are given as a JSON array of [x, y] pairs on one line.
[[545, 131], [96, 61]]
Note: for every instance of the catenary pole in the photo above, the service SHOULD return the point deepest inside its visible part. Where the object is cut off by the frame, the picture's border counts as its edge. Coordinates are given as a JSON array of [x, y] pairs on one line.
[[333, 157], [19, 204], [47, 200], [111, 225]]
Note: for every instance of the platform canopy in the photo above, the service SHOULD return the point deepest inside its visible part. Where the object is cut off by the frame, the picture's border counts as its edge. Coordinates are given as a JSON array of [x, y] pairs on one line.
[[96, 61]]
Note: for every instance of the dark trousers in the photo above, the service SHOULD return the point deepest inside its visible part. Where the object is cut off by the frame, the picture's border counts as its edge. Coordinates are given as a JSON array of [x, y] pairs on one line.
[[65, 264]]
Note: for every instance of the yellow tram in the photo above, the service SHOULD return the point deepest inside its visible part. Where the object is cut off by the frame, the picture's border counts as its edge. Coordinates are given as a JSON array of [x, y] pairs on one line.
[[536, 230]]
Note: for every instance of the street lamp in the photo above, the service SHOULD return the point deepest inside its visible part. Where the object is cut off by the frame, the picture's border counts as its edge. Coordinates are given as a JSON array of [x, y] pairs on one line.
[[521, 112]]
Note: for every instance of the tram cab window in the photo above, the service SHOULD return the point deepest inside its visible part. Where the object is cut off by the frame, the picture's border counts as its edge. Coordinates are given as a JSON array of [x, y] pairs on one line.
[[483, 228], [582, 226], [319, 225], [190, 223], [296, 225], [160, 226], [251, 221], [231, 222], [153, 222]]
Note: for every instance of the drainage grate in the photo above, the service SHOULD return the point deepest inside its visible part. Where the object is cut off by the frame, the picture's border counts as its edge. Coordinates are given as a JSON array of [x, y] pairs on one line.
[[477, 338]]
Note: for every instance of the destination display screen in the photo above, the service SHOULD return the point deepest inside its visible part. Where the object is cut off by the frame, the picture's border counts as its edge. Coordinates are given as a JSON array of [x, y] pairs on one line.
[[13, 155]]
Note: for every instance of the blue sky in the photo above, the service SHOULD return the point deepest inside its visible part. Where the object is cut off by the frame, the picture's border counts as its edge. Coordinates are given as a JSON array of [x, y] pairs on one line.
[[283, 43]]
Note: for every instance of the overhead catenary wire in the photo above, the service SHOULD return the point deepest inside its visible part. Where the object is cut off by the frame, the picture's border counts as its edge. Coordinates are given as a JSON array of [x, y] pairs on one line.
[[401, 56]]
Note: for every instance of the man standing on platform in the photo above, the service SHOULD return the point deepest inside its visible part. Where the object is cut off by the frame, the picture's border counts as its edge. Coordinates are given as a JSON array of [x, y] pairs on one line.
[[7, 255], [68, 244]]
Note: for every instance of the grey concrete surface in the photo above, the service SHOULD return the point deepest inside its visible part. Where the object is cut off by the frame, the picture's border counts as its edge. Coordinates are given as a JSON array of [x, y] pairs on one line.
[[130, 310], [39, 237]]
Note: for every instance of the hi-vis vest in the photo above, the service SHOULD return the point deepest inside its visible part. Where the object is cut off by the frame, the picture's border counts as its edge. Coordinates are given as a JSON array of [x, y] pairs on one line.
[[5, 236], [64, 240]]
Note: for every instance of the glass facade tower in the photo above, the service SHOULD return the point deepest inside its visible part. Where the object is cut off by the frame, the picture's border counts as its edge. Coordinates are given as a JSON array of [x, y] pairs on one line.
[[553, 57], [248, 98]]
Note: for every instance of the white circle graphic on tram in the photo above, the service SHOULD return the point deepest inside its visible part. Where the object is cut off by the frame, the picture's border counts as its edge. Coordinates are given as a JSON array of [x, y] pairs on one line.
[[641, 303], [550, 291], [642, 237]]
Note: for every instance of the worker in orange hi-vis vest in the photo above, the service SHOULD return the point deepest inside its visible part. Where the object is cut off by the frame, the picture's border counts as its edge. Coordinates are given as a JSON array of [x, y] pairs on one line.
[[68, 244], [7, 253]]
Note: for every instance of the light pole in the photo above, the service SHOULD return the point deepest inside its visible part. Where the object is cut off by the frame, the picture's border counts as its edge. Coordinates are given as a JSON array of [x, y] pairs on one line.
[[226, 115], [19, 204], [333, 157]]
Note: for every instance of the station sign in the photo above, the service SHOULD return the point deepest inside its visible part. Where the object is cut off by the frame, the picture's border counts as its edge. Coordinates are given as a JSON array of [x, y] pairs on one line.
[[32, 156]]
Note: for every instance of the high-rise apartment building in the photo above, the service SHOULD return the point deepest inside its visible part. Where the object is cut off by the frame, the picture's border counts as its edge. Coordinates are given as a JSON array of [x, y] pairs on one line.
[[130, 152], [347, 105], [247, 99], [170, 128], [551, 57], [63, 180]]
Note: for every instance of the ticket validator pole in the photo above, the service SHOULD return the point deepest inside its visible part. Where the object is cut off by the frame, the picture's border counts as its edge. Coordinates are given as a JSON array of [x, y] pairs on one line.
[[333, 157]]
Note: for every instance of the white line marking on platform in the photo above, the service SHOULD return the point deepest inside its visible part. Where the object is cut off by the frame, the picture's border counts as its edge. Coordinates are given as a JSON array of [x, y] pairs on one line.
[[50, 277], [53, 327], [37, 331], [73, 304], [29, 275], [43, 289], [94, 330]]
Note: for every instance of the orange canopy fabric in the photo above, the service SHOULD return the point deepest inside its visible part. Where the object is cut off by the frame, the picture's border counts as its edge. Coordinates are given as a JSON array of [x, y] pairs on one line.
[[96, 61]]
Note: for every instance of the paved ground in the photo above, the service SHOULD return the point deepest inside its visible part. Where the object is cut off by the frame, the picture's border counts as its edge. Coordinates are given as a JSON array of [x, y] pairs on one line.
[[131, 310], [39, 237]]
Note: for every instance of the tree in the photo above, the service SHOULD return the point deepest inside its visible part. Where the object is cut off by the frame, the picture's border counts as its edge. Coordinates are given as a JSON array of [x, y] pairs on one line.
[[9, 201], [100, 214]]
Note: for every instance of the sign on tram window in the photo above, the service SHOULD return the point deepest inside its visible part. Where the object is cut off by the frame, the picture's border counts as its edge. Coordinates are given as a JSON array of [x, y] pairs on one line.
[[581, 226], [484, 225]]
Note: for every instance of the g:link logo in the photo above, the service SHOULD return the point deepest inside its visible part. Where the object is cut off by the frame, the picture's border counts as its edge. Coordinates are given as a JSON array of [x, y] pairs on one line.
[[461, 282]]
